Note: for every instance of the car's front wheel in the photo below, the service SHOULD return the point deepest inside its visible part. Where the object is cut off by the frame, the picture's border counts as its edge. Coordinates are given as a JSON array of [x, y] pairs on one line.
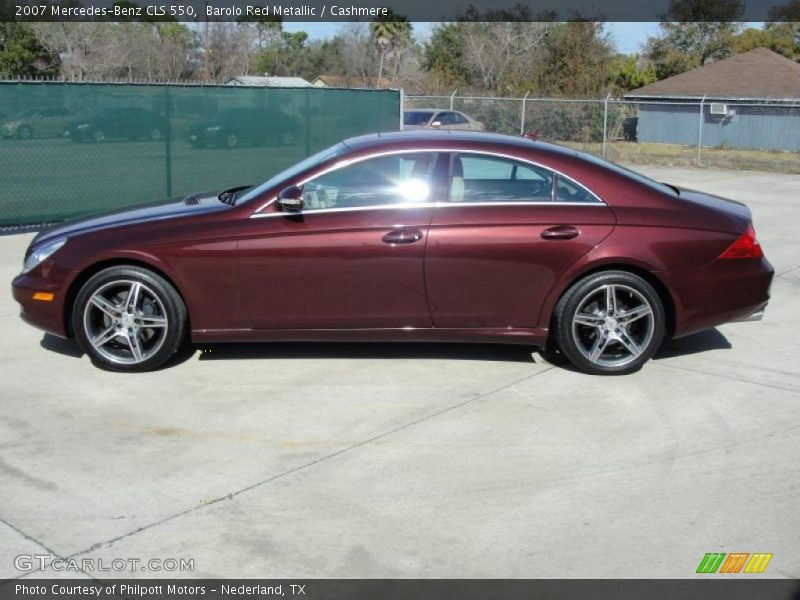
[[128, 318], [609, 323]]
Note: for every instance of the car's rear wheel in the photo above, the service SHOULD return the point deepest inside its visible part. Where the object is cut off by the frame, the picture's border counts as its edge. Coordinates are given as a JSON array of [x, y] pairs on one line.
[[129, 319], [609, 323]]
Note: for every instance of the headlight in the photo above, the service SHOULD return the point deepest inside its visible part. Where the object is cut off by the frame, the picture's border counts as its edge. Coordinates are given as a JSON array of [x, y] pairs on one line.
[[83, 126], [41, 253], [213, 129]]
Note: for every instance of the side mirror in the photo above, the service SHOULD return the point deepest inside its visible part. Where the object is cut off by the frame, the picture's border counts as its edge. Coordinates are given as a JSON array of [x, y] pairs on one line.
[[436, 124], [291, 199]]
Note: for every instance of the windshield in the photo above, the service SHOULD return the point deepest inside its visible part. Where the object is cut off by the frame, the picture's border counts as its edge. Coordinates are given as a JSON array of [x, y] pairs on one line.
[[662, 187], [294, 170], [417, 117]]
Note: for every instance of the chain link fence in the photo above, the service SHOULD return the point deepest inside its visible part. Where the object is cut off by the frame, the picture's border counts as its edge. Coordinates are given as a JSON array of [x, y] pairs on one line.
[[68, 149], [700, 132]]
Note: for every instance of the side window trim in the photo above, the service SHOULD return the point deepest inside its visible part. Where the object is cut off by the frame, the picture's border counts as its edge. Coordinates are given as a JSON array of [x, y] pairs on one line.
[[449, 153]]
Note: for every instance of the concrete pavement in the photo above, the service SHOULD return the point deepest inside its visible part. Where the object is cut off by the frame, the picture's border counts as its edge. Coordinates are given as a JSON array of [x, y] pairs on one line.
[[291, 460]]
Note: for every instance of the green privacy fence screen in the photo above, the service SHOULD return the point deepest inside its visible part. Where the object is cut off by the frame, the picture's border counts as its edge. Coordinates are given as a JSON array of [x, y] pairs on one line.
[[71, 149]]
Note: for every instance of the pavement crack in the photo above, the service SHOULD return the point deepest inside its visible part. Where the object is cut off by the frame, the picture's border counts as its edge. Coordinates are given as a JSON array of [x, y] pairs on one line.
[[29, 537], [730, 378], [39, 543], [787, 271], [327, 457]]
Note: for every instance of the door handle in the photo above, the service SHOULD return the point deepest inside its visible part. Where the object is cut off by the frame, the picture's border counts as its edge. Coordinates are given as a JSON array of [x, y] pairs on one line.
[[406, 235], [561, 232]]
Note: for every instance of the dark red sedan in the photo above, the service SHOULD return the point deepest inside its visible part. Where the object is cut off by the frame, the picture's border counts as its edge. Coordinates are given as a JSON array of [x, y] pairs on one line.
[[434, 236]]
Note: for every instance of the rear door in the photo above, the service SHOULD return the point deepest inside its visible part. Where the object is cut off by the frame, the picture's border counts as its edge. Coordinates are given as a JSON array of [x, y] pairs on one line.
[[507, 231]]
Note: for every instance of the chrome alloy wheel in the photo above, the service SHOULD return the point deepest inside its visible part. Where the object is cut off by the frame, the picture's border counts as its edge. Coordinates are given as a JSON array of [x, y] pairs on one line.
[[613, 325], [125, 322]]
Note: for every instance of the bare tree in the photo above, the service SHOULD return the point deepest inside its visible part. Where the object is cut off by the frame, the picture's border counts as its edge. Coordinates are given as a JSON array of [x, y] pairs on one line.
[[114, 51], [358, 57], [76, 44], [230, 50], [499, 53]]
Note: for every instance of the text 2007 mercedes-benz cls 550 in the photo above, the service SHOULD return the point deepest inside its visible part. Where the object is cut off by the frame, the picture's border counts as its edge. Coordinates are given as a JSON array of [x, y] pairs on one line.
[[415, 236]]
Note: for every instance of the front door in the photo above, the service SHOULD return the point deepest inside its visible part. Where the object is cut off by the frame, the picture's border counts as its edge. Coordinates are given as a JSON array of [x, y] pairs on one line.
[[352, 258]]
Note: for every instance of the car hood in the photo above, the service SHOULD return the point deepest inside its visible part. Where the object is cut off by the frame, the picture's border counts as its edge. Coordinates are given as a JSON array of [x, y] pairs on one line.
[[168, 209]]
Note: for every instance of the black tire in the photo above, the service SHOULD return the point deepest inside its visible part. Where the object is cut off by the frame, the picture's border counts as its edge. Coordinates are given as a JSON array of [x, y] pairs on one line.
[[99, 136], [231, 140], [626, 338], [158, 301], [25, 132]]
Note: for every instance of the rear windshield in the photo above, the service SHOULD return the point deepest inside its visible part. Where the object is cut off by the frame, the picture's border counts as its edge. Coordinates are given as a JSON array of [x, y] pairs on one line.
[[662, 187], [417, 117]]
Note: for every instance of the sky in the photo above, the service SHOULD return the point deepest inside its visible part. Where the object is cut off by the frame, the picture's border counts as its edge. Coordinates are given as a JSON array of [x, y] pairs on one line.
[[629, 37]]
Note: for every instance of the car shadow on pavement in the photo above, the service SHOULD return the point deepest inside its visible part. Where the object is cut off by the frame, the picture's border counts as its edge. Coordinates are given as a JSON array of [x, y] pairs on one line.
[[367, 350], [691, 344], [61, 346], [71, 349], [711, 339]]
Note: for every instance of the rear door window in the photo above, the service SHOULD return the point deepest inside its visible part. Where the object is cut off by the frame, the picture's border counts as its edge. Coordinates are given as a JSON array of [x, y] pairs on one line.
[[569, 191], [482, 178]]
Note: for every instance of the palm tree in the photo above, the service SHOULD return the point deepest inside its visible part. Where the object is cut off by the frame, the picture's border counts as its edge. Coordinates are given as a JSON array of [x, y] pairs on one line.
[[400, 43], [382, 34], [390, 32]]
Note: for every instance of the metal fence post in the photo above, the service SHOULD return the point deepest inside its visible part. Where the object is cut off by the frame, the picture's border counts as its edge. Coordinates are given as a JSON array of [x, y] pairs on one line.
[[522, 115], [402, 107], [168, 141], [308, 121], [605, 124], [700, 129], [452, 97]]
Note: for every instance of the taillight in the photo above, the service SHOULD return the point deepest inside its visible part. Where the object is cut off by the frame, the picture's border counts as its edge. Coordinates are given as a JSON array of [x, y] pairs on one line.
[[746, 246]]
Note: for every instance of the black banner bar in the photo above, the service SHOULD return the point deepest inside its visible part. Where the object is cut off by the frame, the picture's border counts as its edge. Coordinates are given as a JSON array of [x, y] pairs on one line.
[[715, 587], [413, 10]]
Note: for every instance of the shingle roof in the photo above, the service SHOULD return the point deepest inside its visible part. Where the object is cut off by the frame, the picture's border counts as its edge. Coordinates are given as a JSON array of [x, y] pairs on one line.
[[253, 80], [345, 81], [759, 73]]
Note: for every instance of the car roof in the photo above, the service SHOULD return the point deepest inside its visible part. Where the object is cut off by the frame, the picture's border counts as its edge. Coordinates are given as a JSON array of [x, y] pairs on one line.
[[469, 139]]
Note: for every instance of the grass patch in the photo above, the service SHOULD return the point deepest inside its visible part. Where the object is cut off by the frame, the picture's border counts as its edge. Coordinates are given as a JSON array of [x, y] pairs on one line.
[[669, 155]]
